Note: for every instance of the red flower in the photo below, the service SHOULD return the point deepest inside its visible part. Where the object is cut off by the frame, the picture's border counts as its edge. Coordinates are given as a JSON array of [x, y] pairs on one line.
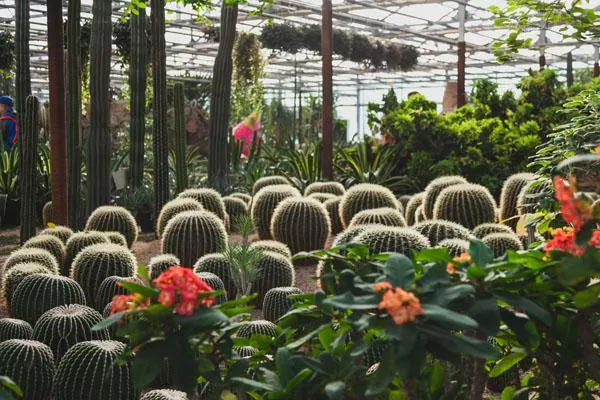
[[574, 211], [122, 302], [179, 288], [564, 240]]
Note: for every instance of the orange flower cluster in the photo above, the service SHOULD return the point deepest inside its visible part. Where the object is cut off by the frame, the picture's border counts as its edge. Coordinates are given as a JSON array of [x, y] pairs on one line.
[[452, 267], [401, 305], [179, 288], [574, 211], [124, 302], [564, 240]]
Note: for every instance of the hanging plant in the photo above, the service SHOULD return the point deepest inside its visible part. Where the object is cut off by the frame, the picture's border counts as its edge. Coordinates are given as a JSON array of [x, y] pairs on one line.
[[281, 37], [409, 58], [361, 49], [7, 51], [342, 45], [378, 55], [311, 38]]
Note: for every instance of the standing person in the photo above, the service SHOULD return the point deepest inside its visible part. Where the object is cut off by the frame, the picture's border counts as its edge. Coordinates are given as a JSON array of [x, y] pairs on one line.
[[8, 122]]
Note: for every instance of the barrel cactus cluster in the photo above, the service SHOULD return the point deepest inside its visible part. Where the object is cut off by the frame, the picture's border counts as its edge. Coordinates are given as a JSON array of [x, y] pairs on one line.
[[365, 196], [77, 243], [219, 265], [13, 277], [61, 232], [277, 302], [393, 240], [437, 230], [466, 204], [334, 188], [173, 208], [274, 270], [509, 197], [50, 243], [33, 255], [433, 190], [264, 203]]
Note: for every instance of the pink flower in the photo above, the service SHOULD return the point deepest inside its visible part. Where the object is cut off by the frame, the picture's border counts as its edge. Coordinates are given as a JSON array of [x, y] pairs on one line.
[[244, 133]]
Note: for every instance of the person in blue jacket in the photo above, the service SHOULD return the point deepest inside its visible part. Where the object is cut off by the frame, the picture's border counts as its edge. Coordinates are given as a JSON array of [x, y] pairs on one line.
[[8, 122]]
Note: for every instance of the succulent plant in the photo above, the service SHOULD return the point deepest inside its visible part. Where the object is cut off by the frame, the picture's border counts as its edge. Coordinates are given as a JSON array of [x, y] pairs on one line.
[[113, 219], [161, 263], [433, 190], [455, 247], [173, 208], [209, 199], [272, 245], [16, 274], [404, 199], [500, 243], [509, 197], [301, 223], [481, 231], [268, 181], [50, 243], [164, 394], [235, 207], [528, 197], [349, 234], [117, 238], [30, 365], [89, 371], [334, 188], [420, 214], [333, 209], [393, 240], [11, 328], [257, 327], [109, 288], [78, 242], [26, 256], [47, 216], [264, 204], [322, 197], [274, 270], [385, 216], [410, 211], [245, 351], [214, 282], [38, 293], [63, 326], [365, 196], [99, 261], [191, 234], [61, 232], [437, 230], [242, 196], [466, 204], [277, 302], [218, 264]]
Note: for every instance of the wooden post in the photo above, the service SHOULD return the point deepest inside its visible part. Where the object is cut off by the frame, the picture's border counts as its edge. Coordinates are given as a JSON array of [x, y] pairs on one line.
[[327, 122]]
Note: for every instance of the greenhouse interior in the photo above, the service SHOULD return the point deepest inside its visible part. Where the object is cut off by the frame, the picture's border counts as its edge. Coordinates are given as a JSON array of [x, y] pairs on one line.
[[299, 199]]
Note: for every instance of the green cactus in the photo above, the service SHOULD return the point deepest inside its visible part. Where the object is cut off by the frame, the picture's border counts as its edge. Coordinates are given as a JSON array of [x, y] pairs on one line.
[[437, 230], [527, 203], [23, 55], [384, 216], [433, 190], [78, 242], [28, 173], [210, 199], [11, 328], [218, 264], [99, 261], [114, 219], [242, 196], [393, 240], [50, 243], [277, 302], [466, 204], [509, 197], [349, 234], [164, 394], [235, 207], [455, 247], [63, 326], [333, 209], [274, 270], [112, 330], [191, 234], [161, 263], [116, 238], [181, 175], [37, 256], [321, 197], [173, 208], [214, 282], [334, 188], [89, 371], [268, 181], [47, 217], [272, 245], [265, 202], [410, 213], [481, 231], [365, 196], [39, 293], [16, 274], [257, 327], [301, 223], [61, 232], [420, 214], [245, 351], [109, 288], [404, 199], [30, 365], [500, 243]]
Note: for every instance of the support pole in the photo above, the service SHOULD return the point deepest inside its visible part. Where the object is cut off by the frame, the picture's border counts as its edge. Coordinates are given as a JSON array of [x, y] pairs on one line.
[[357, 106], [542, 43], [326, 46], [569, 69], [461, 99], [596, 71]]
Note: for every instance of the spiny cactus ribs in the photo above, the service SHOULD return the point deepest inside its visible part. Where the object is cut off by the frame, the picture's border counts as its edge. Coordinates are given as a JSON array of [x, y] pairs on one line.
[[500, 243], [164, 394], [161, 263], [219, 265], [117, 238], [529, 195], [438, 230], [78, 242], [268, 181], [235, 208], [321, 197], [16, 274], [385, 216], [274, 270], [245, 197], [11, 328], [365, 196], [483, 230], [257, 327], [50, 243], [36, 256], [509, 196], [277, 302], [214, 282], [393, 240], [61, 232], [333, 208], [272, 245], [410, 212], [113, 219], [334, 188], [264, 204], [209, 199], [433, 190], [466, 204], [109, 288], [455, 247]]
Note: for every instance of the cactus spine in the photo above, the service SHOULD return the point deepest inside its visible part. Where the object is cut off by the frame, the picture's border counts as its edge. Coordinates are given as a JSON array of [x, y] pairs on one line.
[[219, 265], [433, 190], [257, 327], [172, 208], [268, 181], [334, 188], [437, 230], [272, 245], [483, 230], [161, 263], [393, 240], [385, 216], [510, 195], [61, 232], [38, 256], [466, 204], [50, 243], [138, 68], [455, 247], [500, 243], [113, 219], [164, 394], [275, 270], [214, 282], [11, 328], [78, 242], [265, 202], [410, 211], [333, 208], [277, 302], [16, 274], [30, 130], [365, 196], [181, 177]]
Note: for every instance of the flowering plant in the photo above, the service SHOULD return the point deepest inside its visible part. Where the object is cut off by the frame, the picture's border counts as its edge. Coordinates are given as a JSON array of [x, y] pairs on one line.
[[247, 133]]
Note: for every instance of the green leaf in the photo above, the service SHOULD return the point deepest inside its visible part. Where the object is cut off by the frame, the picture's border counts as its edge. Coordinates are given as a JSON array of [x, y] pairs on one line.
[[434, 276], [202, 318], [436, 382], [8, 383], [399, 270], [141, 289], [527, 306], [299, 342], [508, 393], [384, 374], [351, 302], [283, 365], [487, 315], [480, 253], [335, 390], [447, 295], [448, 317], [460, 344], [147, 363], [112, 319], [438, 254], [587, 297], [298, 379], [507, 362], [255, 385]]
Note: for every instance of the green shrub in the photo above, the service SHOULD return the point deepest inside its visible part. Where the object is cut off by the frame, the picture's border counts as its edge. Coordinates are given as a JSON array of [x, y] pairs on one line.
[[509, 197], [116, 238], [483, 230], [61, 232], [113, 219], [277, 302], [365, 196], [214, 282], [218, 264], [33, 255], [164, 394], [466, 204], [11, 328], [16, 274], [209, 199], [455, 247], [272, 245], [264, 204], [438, 230], [321, 197], [383, 216], [274, 270], [433, 190], [257, 327], [109, 288], [242, 196], [191, 234], [89, 371], [78, 242], [394, 240], [413, 204], [334, 188], [173, 208], [268, 181], [333, 209], [50, 243], [500, 243], [161, 263]]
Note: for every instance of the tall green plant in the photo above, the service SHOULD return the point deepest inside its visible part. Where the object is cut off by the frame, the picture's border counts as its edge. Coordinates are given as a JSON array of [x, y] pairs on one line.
[[248, 74], [30, 129], [180, 139], [23, 75]]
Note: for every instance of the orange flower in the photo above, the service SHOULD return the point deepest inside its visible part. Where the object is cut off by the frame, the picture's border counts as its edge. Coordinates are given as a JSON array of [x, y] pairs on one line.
[[122, 302], [451, 269], [564, 240], [401, 305], [381, 287], [574, 211], [179, 288], [595, 240], [463, 258]]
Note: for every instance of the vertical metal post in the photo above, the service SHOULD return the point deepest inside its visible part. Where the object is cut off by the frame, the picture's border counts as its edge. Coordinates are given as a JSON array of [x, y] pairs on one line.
[[358, 106], [596, 71], [461, 99], [327, 64]]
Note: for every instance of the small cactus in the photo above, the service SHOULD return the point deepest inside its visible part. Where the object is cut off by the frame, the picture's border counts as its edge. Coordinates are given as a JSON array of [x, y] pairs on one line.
[[404, 199], [365, 196], [272, 245], [164, 394], [209, 199], [30, 365], [172, 208], [301, 223], [257, 327], [214, 282], [433, 190], [242, 196], [16, 274], [235, 207], [47, 216], [89, 371], [61, 232], [500, 243], [274, 270], [113, 219], [334, 188], [509, 197], [333, 208], [420, 214], [455, 247], [63, 326], [437, 230], [50, 243], [268, 181], [33, 255], [481, 231], [161, 263], [385, 216], [322, 197], [191, 234], [245, 351], [11, 328], [109, 288], [466, 204], [218, 264], [264, 204], [277, 302], [117, 238], [78, 242], [393, 240], [527, 203], [410, 211], [349, 234]]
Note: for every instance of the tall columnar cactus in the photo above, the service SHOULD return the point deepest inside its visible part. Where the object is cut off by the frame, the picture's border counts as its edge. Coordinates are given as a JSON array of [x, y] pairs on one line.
[[38, 293], [365, 196], [393, 240], [138, 71], [214, 282], [333, 208], [265, 202], [268, 181], [274, 270], [61, 232], [301, 223], [483, 230], [99, 151], [509, 197], [173, 208], [210, 199], [385, 216], [529, 196], [235, 208], [37, 256], [272, 245], [257, 327], [116, 238], [78, 242], [161, 263], [99, 261], [113, 219], [164, 394], [30, 365], [433, 190], [466, 204], [191, 234], [500, 243], [16, 274], [11, 328], [455, 247], [109, 288], [334, 188], [62, 327], [437, 230], [242, 196], [277, 302], [89, 371], [50, 243], [181, 178], [47, 217], [218, 264], [410, 211], [30, 129], [23, 73]]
